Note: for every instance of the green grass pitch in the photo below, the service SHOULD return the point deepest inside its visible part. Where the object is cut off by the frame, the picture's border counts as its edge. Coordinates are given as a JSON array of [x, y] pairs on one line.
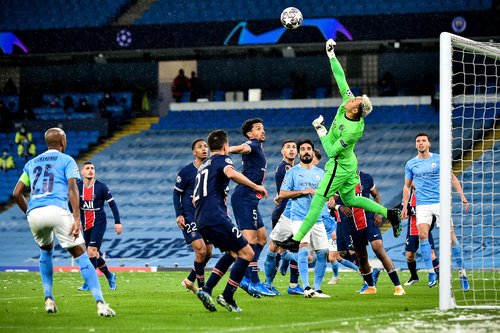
[[156, 302]]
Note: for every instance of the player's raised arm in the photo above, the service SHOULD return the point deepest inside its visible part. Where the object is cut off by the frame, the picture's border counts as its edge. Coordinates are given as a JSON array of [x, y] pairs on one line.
[[240, 149], [337, 70], [240, 178]]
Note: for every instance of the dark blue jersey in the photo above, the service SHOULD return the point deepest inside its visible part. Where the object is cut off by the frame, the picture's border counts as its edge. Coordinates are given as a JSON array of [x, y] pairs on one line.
[[210, 191], [279, 175], [92, 200], [184, 185], [254, 168]]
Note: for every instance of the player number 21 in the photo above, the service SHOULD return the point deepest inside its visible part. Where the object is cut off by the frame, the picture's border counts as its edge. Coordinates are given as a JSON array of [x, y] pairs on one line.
[[201, 177]]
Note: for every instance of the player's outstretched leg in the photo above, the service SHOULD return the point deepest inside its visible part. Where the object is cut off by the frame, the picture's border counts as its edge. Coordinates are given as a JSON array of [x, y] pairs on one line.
[[230, 306], [207, 300]]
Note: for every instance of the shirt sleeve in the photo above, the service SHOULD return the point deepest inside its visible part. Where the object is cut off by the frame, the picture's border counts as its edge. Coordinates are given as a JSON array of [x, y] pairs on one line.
[[25, 179], [339, 75], [287, 184], [180, 181], [346, 141], [408, 172], [72, 170]]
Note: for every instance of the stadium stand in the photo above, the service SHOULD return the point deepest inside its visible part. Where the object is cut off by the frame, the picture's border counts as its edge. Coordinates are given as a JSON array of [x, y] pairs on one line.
[[25, 15], [163, 11]]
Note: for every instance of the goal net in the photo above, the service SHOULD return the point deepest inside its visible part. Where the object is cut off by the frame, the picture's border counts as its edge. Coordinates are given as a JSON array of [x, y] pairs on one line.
[[470, 148]]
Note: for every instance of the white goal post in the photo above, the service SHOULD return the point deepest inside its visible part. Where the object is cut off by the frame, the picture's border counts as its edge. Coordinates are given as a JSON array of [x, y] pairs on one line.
[[469, 140]]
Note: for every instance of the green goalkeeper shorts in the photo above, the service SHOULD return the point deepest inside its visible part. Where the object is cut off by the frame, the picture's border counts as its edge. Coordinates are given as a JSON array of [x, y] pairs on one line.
[[337, 179]]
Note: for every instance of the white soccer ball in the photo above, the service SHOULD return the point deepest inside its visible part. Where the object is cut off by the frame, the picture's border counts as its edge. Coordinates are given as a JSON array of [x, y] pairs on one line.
[[291, 18]]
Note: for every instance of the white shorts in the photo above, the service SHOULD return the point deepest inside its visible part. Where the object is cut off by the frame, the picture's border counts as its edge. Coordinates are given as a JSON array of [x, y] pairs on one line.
[[425, 213], [282, 230], [47, 221], [317, 236], [333, 245]]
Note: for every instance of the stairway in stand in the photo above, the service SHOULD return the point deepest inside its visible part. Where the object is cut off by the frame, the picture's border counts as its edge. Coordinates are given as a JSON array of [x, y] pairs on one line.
[[136, 126]]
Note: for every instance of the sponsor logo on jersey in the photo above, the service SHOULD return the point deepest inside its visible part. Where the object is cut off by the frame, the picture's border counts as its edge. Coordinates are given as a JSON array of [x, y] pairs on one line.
[[341, 127], [343, 144]]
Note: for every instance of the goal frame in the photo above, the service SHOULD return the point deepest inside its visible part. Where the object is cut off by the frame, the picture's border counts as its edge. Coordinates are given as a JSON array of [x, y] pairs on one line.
[[447, 41]]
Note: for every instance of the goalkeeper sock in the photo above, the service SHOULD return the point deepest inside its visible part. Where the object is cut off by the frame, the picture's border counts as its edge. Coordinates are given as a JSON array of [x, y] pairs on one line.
[[235, 277], [46, 272], [218, 272], [425, 251], [304, 266], [199, 268], [320, 268], [270, 267]]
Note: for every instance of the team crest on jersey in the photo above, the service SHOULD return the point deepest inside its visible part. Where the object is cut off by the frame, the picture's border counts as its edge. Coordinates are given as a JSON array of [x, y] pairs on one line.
[[433, 165], [229, 161], [318, 177], [341, 127], [179, 179]]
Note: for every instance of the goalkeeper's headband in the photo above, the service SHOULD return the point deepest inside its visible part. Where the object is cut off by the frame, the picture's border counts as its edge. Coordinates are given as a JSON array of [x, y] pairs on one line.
[[365, 106]]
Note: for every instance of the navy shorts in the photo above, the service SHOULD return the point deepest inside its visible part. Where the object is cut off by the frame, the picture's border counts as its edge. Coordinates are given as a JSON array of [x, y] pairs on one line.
[[94, 236], [246, 213], [361, 238], [344, 240], [190, 232], [412, 242], [225, 237]]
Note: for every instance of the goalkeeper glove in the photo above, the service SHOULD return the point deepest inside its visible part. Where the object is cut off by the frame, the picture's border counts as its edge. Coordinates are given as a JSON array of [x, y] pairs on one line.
[[329, 48], [319, 126]]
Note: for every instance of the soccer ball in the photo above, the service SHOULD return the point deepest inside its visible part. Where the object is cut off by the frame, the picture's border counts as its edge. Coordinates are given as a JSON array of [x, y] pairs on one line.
[[291, 18]]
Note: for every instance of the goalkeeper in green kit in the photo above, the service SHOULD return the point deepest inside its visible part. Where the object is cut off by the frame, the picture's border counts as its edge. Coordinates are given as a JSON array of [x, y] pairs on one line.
[[341, 169]]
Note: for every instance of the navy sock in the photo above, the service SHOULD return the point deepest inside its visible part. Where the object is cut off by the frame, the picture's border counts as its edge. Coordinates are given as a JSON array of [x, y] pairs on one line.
[[218, 272], [435, 263], [253, 267], [278, 259], [235, 277], [101, 264], [412, 266], [394, 277], [93, 261], [368, 279], [199, 268], [192, 274], [294, 272]]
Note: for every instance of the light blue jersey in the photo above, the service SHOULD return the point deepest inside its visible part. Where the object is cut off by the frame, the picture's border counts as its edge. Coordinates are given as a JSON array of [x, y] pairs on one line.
[[288, 207], [425, 175], [329, 221], [297, 179], [47, 175]]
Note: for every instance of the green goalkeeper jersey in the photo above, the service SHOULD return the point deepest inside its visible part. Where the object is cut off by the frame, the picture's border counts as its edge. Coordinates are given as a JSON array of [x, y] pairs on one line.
[[343, 133]]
